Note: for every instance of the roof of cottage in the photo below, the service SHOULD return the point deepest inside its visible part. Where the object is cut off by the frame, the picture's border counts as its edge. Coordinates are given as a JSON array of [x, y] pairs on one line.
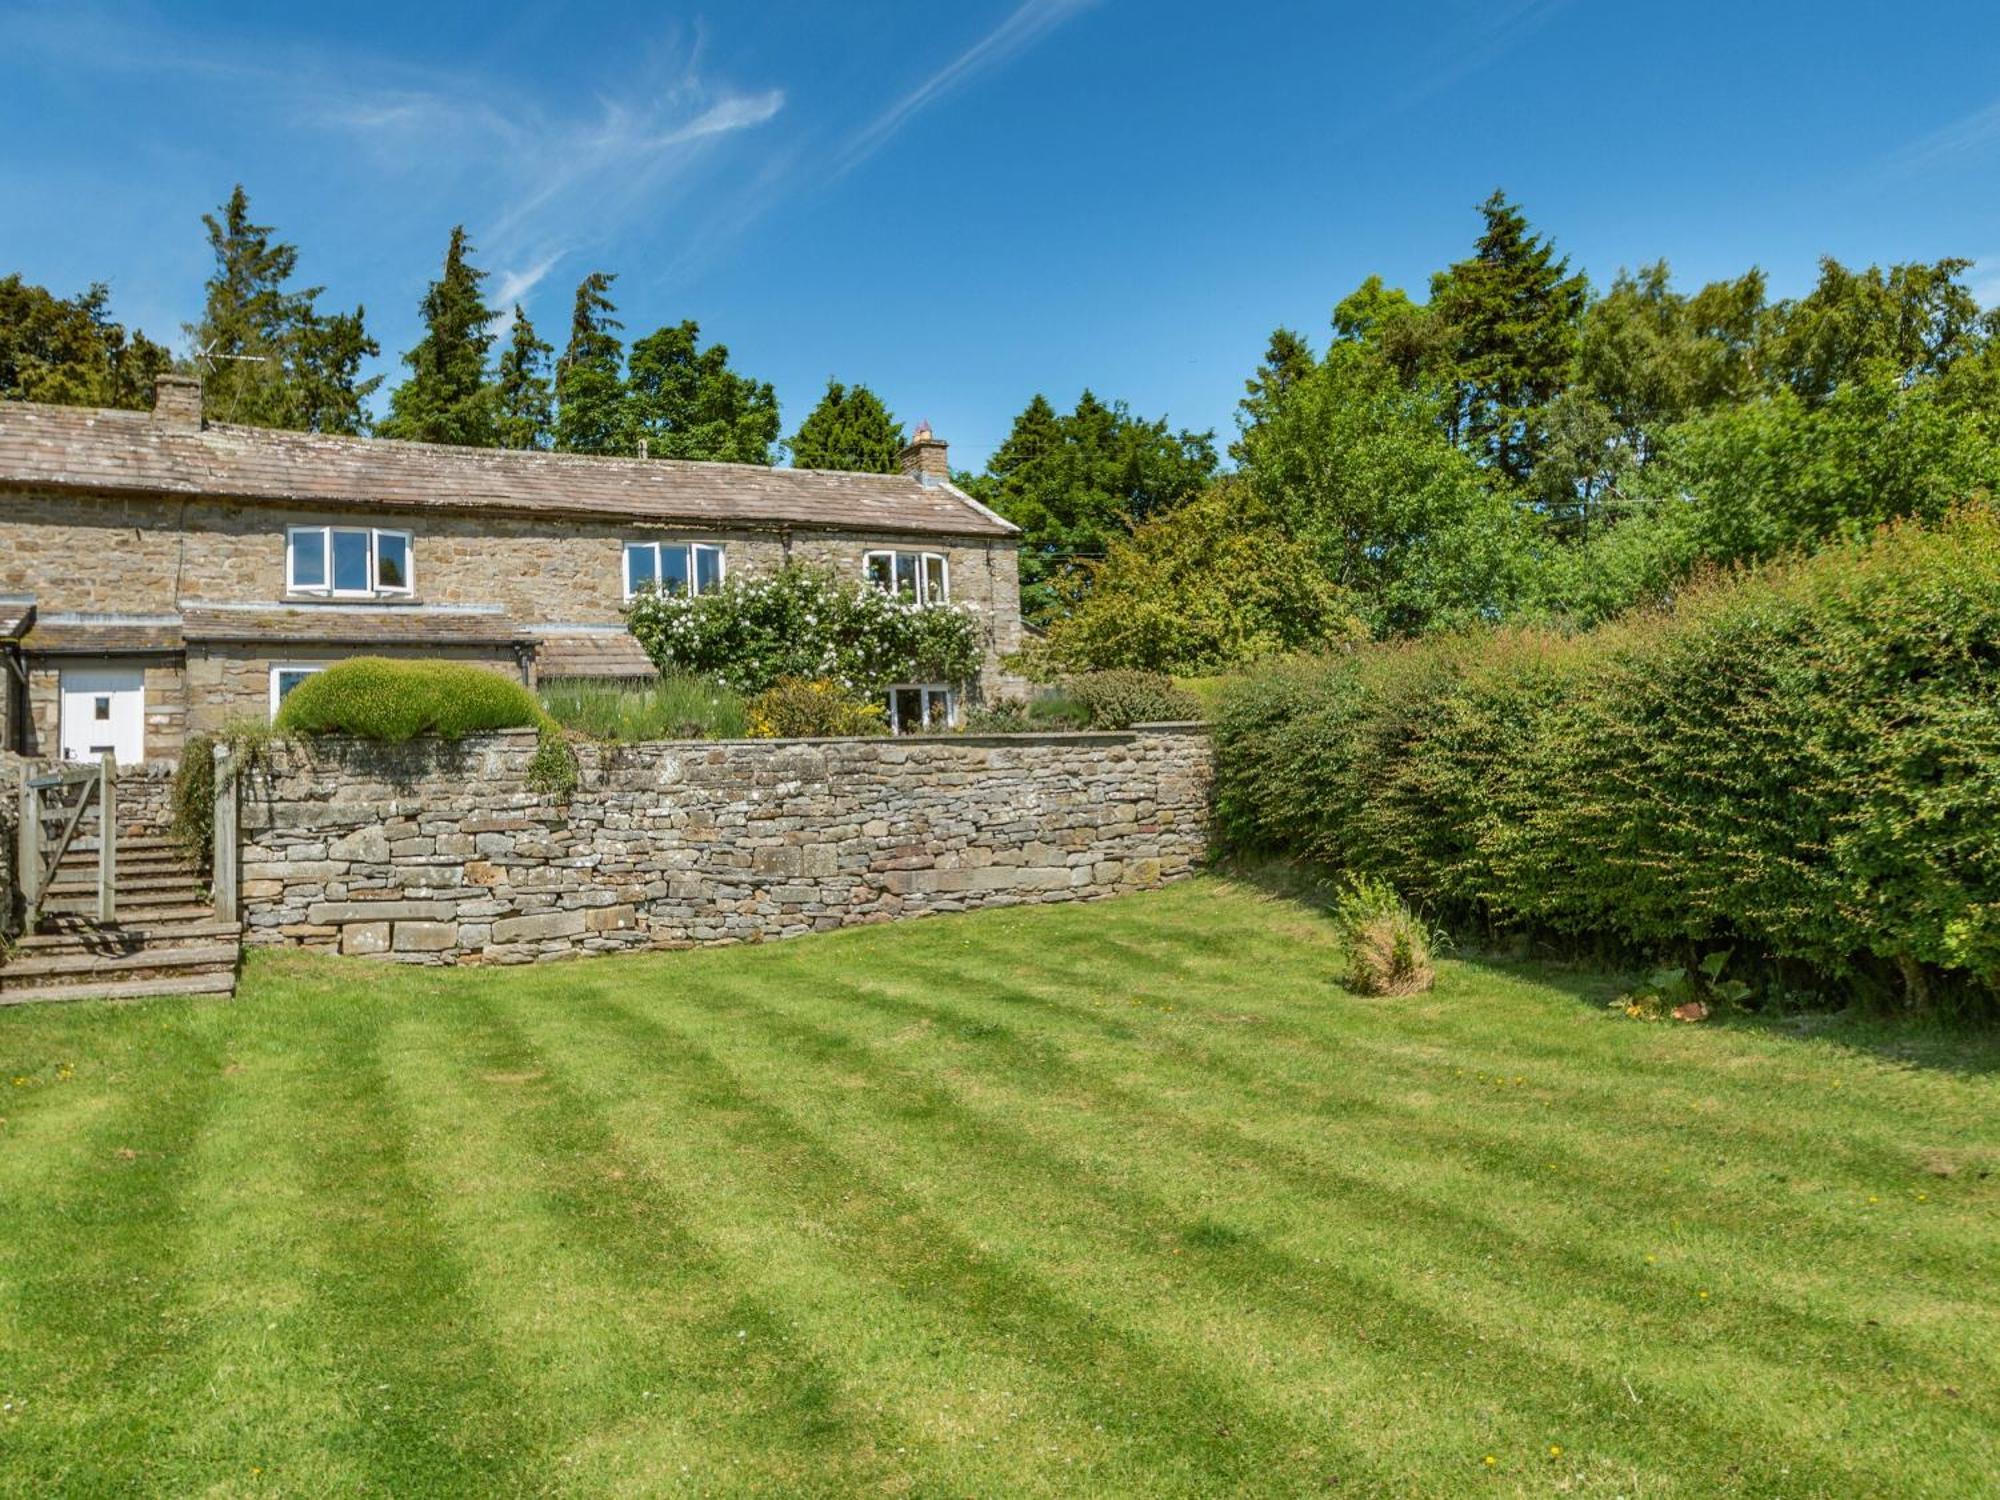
[[87, 449], [17, 612], [102, 634], [587, 652], [350, 624]]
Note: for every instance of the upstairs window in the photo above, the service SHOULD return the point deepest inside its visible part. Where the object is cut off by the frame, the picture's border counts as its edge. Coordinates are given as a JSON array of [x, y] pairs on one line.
[[347, 562], [922, 576], [672, 567]]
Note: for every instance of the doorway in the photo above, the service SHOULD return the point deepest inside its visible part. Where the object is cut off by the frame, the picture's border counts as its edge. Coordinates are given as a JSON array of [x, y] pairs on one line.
[[104, 708]]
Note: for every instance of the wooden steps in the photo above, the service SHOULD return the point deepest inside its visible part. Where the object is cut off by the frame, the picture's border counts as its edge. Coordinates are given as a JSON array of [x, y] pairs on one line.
[[167, 939]]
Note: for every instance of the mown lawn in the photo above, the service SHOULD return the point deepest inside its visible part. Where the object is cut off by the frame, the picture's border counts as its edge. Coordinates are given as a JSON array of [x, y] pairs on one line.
[[1121, 1199]]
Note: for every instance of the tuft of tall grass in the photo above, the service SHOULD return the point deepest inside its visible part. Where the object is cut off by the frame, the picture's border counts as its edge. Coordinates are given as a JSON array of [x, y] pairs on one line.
[[1388, 948], [678, 706]]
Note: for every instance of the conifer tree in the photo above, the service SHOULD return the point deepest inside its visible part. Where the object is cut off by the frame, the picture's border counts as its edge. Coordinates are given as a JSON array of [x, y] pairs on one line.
[[1513, 312], [1288, 359], [328, 394], [447, 398], [266, 355], [590, 389], [524, 405], [849, 429], [1073, 482]]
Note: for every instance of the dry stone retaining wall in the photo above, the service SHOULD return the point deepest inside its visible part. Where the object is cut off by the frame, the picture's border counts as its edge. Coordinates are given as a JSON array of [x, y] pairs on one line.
[[439, 853]]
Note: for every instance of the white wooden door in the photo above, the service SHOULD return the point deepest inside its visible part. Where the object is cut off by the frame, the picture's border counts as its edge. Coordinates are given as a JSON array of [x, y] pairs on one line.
[[104, 708]]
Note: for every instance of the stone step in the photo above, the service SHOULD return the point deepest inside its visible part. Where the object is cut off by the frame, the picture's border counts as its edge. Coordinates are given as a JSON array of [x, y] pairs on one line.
[[147, 906], [153, 855], [70, 934], [125, 884], [219, 985], [144, 859], [136, 842], [148, 962]]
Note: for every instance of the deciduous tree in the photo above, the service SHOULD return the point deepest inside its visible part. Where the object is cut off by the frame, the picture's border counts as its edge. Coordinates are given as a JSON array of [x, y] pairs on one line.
[[68, 351], [685, 401]]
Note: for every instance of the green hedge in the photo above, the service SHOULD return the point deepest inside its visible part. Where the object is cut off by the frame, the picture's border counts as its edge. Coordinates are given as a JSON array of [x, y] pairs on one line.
[[375, 698], [1805, 760]]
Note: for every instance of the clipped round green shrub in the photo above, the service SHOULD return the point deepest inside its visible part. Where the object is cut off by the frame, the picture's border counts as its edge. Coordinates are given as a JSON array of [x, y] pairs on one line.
[[375, 698], [1122, 698]]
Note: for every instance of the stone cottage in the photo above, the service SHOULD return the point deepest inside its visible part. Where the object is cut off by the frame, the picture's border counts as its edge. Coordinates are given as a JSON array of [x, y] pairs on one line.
[[160, 574]]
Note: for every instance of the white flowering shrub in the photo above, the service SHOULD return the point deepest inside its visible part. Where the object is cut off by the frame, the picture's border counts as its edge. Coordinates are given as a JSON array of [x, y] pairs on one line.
[[805, 622]]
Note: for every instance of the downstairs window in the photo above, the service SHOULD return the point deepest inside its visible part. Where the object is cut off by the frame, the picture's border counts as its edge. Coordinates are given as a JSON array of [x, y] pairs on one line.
[[285, 678], [919, 706]]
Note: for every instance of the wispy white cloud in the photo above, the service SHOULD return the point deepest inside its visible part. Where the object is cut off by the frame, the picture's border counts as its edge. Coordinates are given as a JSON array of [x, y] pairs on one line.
[[1969, 135], [1028, 24], [535, 182], [1463, 52], [514, 285], [739, 113], [630, 158]]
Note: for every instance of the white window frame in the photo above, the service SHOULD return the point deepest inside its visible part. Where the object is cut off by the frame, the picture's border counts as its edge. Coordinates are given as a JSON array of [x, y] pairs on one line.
[[929, 690], [943, 561], [376, 589], [303, 668], [693, 561]]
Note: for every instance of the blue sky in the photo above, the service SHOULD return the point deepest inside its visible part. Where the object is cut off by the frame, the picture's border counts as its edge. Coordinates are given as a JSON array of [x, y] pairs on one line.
[[964, 204]]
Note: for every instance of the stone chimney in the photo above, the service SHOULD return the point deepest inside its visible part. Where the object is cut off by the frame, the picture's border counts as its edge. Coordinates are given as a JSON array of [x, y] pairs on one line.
[[177, 401], [924, 460]]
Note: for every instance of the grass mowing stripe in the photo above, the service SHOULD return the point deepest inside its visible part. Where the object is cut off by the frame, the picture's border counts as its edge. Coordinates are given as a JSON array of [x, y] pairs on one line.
[[1594, 1183], [1526, 1144], [608, 1311], [1272, 1287], [959, 1297], [1627, 1074], [427, 1408], [871, 1105], [1794, 1321], [272, 1403], [92, 1267]]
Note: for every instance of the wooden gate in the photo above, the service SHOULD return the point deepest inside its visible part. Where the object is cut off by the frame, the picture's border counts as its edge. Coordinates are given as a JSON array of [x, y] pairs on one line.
[[53, 805]]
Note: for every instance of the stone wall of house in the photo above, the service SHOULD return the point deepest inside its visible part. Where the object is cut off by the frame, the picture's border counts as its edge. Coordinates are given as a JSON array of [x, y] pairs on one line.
[[438, 853], [132, 555]]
